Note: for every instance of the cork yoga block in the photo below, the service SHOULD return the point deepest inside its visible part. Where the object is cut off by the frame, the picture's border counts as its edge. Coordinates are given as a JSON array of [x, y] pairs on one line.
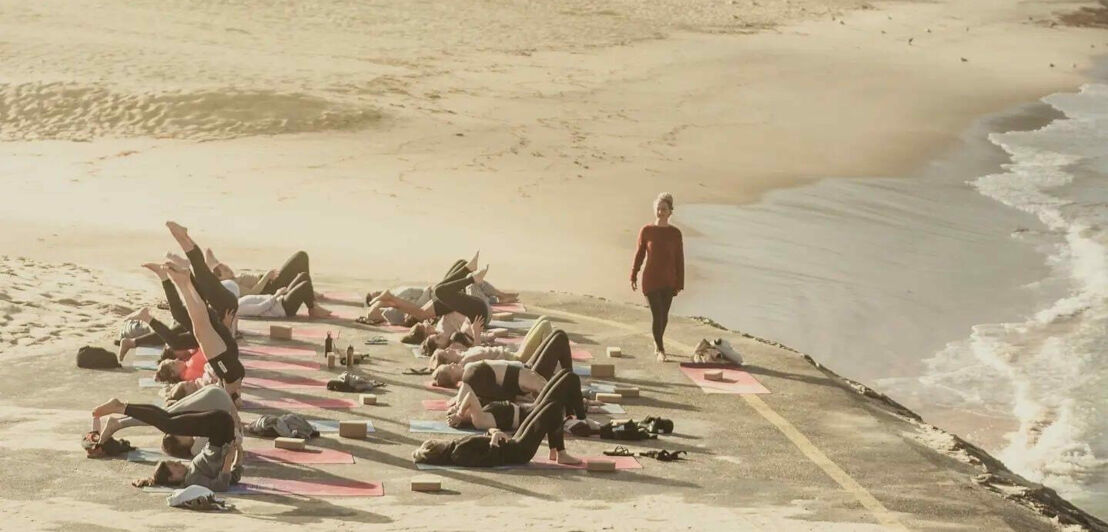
[[369, 399], [603, 370], [353, 429], [427, 484], [280, 332], [609, 397], [615, 352], [295, 444], [605, 466], [714, 375], [627, 391]]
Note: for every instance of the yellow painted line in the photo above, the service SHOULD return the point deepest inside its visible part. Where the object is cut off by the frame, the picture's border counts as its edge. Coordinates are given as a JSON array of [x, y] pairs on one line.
[[844, 480]]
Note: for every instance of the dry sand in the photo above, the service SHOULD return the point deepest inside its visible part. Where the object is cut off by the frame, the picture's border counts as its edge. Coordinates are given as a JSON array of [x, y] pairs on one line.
[[388, 139]]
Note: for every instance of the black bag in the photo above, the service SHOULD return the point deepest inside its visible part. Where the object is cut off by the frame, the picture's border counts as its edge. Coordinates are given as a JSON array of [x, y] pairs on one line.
[[89, 357], [626, 431]]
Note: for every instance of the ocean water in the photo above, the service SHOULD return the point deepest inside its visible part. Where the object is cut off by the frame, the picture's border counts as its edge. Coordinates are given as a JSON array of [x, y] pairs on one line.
[[975, 292]]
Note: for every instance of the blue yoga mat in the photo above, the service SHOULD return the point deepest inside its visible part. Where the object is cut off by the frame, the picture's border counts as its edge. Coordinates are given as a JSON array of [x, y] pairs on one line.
[[438, 427]]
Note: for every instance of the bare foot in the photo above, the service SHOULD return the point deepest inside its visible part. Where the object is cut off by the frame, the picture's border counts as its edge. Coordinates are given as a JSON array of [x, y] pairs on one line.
[[317, 311], [157, 269], [142, 314], [480, 275], [179, 232], [177, 260], [113, 406], [110, 426], [568, 459], [472, 264], [661, 355], [209, 257], [125, 346], [382, 298]]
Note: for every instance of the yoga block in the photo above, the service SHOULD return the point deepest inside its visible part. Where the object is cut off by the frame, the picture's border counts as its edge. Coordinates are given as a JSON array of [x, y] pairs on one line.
[[606, 466], [427, 484], [295, 444], [502, 316], [603, 370], [353, 429], [608, 397], [627, 391], [714, 375], [280, 332], [369, 399], [615, 352]]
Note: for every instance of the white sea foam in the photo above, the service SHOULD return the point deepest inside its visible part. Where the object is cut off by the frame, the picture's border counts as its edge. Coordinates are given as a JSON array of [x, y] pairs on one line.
[[1050, 371]]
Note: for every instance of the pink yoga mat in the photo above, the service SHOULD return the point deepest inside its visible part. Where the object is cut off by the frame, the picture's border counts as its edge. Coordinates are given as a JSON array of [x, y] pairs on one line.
[[347, 313], [509, 307], [436, 405], [279, 365], [344, 297], [735, 381], [276, 350], [622, 462], [297, 404], [311, 455], [281, 383], [298, 332], [349, 488]]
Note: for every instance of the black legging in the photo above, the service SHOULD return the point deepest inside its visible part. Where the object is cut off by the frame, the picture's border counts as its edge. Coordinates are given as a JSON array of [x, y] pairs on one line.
[[553, 351], [300, 293], [179, 336], [297, 264], [216, 425], [225, 364], [546, 419], [449, 296], [659, 308], [208, 286]]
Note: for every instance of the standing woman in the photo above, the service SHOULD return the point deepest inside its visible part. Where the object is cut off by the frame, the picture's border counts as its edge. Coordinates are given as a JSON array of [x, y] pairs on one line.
[[664, 275]]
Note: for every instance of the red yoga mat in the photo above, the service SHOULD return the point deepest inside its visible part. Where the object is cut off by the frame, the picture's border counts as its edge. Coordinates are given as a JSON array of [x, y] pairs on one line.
[[336, 488], [735, 381], [436, 405], [282, 383], [509, 307], [279, 365], [622, 462], [298, 332], [344, 297], [276, 350], [297, 404], [308, 456]]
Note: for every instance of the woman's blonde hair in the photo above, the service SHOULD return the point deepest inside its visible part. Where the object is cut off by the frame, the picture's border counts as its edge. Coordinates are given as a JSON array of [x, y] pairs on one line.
[[666, 198]]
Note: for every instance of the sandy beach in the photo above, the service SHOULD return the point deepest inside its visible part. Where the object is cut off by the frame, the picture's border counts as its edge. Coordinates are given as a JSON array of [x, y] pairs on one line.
[[387, 139]]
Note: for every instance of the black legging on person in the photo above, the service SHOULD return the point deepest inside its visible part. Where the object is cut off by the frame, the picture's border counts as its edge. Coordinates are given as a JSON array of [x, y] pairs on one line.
[[226, 364], [178, 337], [659, 309], [552, 352], [449, 295], [546, 419], [216, 425], [208, 286], [301, 293], [296, 265]]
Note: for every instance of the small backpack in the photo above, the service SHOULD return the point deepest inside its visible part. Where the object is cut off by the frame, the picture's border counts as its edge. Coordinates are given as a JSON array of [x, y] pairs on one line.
[[89, 357]]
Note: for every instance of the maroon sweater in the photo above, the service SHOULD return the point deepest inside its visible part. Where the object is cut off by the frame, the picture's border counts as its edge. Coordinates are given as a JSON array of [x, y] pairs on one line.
[[665, 259]]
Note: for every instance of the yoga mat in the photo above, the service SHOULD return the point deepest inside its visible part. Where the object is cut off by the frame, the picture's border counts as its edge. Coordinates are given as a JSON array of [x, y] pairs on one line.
[[439, 427], [276, 350], [147, 456], [297, 404], [311, 455], [599, 387], [441, 405], [509, 307], [513, 324], [735, 380], [583, 371], [278, 486], [353, 298], [435, 405], [299, 332], [328, 425], [278, 365], [148, 382], [283, 383], [151, 352], [346, 312], [622, 462], [145, 364]]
